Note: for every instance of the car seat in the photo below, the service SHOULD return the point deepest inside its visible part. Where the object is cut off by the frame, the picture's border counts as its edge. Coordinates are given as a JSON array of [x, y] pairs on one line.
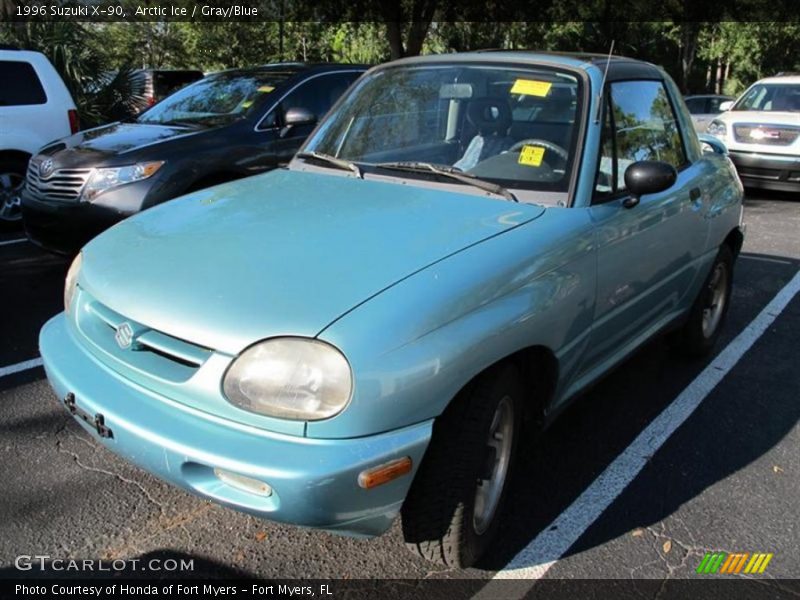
[[492, 119]]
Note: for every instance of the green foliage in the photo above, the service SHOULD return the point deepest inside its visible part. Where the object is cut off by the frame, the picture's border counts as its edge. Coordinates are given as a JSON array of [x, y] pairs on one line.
[[724, 56], [77, 51]]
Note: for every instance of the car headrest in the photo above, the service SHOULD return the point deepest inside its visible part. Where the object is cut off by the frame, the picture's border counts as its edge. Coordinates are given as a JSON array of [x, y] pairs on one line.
[[489, 115]]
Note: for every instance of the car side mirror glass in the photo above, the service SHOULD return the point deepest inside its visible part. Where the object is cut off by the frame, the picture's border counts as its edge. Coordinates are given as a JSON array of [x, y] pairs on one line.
[[727, 105], [712, 145], [297, 116], [648, 177]]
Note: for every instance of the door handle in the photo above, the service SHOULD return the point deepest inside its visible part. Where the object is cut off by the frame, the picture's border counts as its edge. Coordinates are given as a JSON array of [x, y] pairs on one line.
[[695, 194]]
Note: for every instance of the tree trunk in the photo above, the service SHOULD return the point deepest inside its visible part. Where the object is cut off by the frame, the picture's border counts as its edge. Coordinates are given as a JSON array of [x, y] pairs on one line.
[[689, 35], [394, 31]]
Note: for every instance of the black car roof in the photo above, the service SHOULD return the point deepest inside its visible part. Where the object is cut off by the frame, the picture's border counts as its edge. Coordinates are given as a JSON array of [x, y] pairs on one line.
[[619, 67], [290, 69]]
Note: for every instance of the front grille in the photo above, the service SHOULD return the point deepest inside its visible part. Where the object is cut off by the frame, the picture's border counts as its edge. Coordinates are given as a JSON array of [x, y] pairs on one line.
[[771, 135], [63, 185], [151, 351]]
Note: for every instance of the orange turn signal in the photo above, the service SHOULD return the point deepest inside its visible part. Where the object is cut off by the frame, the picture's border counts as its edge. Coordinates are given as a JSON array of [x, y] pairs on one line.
[[384, 473]]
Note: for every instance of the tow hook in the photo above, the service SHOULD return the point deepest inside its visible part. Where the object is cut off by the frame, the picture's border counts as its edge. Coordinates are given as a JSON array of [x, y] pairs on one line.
[[98, 421]]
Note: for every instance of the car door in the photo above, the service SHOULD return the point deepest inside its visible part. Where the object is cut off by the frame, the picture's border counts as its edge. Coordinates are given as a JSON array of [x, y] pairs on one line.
[[649, 254], [317, 94]]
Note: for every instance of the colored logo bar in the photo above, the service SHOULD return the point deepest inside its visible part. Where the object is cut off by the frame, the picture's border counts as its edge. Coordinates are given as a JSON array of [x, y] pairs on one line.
[[734, 562]]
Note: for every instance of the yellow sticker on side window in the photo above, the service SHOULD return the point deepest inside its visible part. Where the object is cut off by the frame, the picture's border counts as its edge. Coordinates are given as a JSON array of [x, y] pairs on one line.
[[531, 156], [531, 87], [265, 89]]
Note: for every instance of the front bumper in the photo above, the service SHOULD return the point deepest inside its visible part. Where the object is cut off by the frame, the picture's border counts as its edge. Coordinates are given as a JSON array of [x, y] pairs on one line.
[[766, 171], [314, 481]]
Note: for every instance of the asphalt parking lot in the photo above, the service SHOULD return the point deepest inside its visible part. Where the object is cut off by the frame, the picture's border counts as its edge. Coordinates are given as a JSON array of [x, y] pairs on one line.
[[725, 480]]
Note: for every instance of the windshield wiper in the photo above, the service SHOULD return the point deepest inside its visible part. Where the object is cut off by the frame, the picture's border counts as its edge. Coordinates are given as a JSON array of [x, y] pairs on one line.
[[453, 173], [195, 123], [332, 160]]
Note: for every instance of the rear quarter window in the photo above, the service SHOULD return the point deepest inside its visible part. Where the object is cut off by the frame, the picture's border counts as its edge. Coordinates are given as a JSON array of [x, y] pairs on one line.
[[19, 84]]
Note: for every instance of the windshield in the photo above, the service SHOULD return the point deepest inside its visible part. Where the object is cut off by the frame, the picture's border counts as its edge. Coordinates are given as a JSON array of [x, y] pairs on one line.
[[516, 127], [771, 97], [216, 100]]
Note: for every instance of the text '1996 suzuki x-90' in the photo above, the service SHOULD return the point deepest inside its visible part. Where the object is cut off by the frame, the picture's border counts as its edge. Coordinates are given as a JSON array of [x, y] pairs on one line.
[[463, 244]]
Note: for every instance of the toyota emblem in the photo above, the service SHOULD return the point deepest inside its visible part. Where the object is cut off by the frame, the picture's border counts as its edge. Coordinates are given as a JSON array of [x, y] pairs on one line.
[[46, 168]]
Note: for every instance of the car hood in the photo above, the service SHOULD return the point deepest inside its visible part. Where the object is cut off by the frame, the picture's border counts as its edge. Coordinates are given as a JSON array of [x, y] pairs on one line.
[[760, 116], [110, 143], [285, 253]]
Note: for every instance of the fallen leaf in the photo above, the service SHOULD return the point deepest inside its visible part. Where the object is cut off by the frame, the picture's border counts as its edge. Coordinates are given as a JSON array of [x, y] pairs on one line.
[[667, 546], [261, 536], [777, 469], [637, 532]]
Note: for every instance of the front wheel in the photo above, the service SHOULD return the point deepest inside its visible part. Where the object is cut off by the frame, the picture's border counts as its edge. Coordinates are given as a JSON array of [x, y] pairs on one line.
[[453, 508], [700, 332]]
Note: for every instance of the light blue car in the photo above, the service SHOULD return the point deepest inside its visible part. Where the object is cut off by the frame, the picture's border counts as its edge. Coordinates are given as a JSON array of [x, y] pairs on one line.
[[464, 244]]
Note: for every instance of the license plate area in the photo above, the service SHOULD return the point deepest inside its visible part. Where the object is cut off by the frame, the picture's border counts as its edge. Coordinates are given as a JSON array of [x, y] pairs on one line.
[[98, 421]]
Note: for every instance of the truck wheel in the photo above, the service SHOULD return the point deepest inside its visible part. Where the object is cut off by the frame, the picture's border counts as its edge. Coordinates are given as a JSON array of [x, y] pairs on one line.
[[452, 511], [12, 176], [700, 332]]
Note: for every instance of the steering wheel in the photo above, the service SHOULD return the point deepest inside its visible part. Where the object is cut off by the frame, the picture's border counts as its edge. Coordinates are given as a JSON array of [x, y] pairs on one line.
[[558, 150]]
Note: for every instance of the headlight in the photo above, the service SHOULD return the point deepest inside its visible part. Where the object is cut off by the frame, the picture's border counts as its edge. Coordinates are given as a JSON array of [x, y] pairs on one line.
[[717, 129], [104, 179], [290, 378], [71, 282]]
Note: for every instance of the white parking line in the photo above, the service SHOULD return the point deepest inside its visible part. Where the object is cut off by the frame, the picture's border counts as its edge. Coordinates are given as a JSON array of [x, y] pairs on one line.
[[533, 561], [780, 261], [23, 366], [9, 242]]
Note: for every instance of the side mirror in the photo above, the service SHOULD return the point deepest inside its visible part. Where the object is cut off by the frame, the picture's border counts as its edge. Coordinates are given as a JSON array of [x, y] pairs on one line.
[[648, 177], [297, 116], [711, 144], [727, 105]]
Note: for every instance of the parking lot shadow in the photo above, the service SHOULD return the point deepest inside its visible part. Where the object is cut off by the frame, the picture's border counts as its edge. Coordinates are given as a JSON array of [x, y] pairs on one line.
[[32, 282], [749, 412]]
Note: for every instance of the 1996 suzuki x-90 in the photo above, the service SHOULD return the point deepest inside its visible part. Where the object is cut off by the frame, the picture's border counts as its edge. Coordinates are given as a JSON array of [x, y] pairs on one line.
[[464, 243]]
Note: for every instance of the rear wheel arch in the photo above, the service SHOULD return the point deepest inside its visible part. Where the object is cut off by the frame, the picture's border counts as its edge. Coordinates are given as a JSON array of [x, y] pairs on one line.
[[14, 155], [734, 240]]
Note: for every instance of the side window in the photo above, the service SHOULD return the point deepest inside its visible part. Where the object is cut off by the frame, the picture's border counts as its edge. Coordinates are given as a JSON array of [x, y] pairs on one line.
[[696, 106], [26, 90], [641, 125], [317, 95]]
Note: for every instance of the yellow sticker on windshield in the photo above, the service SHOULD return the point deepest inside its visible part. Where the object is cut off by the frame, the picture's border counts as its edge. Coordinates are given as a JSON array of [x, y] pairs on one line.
[[266, 89], [531, 156], [247, 104], [531, 87]]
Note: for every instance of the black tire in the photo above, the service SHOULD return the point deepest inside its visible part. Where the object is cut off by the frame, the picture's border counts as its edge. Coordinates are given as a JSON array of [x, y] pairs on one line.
[[696, 339], [439, 514], [12, 175]]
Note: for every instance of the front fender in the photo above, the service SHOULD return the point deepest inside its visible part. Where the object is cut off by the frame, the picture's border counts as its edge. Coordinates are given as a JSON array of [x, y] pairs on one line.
[[414, 346]]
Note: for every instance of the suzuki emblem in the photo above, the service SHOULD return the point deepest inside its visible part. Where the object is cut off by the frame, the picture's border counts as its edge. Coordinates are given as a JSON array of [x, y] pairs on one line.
[[124, 335]]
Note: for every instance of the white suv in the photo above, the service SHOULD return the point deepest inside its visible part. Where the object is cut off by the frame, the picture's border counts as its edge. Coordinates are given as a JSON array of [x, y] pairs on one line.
[[35, 109], [762, 132]]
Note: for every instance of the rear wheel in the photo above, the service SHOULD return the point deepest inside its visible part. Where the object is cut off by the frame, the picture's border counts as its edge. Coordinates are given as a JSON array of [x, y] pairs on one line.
[[707, 316], [12, 177], [453, 508]]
